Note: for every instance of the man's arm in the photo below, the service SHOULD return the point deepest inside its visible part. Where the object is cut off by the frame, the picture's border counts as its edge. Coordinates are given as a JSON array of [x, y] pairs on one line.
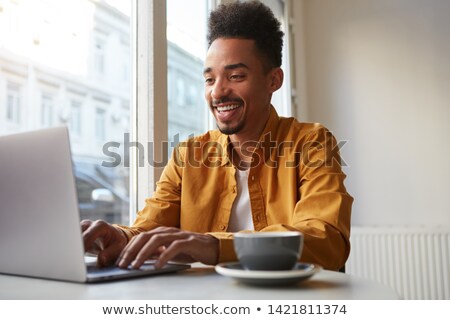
[[163, 208], [167, 244], [156, 233]]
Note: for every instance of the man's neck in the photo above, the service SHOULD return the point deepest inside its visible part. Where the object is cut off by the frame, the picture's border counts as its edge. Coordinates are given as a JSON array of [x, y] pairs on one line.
[[244, 143]]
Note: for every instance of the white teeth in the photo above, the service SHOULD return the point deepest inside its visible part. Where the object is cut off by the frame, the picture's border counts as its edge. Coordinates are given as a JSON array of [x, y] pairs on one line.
[[227, 108]]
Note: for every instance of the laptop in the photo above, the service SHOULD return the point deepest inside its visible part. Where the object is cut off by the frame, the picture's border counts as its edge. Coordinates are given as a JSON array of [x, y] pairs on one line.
[[40, 234]]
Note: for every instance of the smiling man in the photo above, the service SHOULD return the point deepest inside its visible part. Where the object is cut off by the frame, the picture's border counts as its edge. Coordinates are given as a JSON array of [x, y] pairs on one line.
[[257, 172]]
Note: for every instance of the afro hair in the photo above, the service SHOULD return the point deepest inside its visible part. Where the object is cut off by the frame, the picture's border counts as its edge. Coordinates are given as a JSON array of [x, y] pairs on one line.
[[249, 20]]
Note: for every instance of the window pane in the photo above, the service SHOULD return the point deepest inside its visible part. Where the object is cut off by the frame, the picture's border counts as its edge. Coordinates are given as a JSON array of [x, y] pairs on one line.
[[188, 112], [100, 120], [13, 104], [281, 99], [47, 111], [75, 118], [68, 63]]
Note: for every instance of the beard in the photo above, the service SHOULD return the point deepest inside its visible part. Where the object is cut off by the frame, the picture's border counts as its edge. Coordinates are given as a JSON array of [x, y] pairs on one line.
[[225, 128], [229, 130]]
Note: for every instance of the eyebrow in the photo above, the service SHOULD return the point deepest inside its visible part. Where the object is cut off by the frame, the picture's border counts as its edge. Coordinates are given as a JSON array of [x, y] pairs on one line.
[[228, 67]]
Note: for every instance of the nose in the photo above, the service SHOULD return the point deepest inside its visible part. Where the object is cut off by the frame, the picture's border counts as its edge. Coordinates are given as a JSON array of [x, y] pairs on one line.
[[219, 90]]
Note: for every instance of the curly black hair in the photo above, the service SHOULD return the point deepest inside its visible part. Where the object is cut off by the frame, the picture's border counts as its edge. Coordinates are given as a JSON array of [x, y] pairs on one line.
[[249, 20]]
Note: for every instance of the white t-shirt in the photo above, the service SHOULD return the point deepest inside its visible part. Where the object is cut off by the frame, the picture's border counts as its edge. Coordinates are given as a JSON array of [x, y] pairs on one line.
[[241, 212]]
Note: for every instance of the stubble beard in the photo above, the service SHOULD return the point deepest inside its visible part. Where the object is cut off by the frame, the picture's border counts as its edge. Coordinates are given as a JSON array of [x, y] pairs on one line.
[[229, 130]]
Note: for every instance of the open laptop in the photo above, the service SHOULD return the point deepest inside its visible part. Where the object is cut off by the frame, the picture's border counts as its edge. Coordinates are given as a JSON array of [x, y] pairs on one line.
[[40, 234]]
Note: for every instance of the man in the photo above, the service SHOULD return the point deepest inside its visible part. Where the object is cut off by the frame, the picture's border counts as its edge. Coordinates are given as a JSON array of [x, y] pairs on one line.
[[256, 172]]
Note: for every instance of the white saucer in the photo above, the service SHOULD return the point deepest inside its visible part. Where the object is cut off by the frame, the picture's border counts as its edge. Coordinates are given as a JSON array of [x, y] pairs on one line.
[[300, 272]]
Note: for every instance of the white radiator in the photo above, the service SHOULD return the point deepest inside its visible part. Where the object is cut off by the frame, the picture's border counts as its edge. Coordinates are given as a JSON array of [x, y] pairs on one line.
[[415, 262]]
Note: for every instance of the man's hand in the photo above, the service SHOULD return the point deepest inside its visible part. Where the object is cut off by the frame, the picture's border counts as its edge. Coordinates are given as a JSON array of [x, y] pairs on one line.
[[169, 244], [103, 239]]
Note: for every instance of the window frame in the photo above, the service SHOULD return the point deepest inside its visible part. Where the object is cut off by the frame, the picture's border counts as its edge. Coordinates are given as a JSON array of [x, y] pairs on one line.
[[149, 86]]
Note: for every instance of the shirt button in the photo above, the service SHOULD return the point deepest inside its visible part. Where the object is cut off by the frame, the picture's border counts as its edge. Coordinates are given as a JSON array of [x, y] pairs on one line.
[[234, 189], [223, 227], [253, 178]]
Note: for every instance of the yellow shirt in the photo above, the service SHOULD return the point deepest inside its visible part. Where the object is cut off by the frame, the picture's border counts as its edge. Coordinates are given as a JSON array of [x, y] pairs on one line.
[[295, 183]]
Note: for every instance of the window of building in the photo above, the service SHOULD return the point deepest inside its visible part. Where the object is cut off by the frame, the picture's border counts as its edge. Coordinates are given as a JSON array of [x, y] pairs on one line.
[[100, 124], [126, 70], [46, 110], [99, 55], [75, 117], [13, 103], [180, 92], [193, 96]]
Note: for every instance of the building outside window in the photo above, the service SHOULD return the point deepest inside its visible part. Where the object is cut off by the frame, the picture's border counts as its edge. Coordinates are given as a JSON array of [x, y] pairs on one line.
[[65, 46]]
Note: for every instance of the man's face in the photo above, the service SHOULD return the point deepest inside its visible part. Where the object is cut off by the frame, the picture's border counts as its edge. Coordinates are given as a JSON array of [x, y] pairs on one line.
[[237, 89]]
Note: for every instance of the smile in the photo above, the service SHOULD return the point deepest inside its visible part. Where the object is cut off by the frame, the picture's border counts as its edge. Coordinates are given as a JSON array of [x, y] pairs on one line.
[[227, 108]]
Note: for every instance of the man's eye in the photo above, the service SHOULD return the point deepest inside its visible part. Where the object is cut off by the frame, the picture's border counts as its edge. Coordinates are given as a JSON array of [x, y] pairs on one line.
[[236, 76], [208, 80]]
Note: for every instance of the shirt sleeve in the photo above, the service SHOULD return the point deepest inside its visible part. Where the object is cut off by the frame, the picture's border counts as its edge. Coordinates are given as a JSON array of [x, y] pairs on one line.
[[163, 207]]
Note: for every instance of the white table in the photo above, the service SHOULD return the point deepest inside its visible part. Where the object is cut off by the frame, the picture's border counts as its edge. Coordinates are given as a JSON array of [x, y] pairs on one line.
[[198, 283]]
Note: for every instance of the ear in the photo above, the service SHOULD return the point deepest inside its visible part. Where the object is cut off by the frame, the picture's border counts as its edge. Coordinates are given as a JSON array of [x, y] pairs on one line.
[[276, 76]]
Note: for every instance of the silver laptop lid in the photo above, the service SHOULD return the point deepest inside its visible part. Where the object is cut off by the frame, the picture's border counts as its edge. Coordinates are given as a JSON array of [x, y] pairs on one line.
[[39, 219]]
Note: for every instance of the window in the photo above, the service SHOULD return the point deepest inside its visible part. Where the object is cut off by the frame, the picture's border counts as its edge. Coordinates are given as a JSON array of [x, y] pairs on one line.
[[99, 56], [125, 64], [100, 124], [194, 96], [13, 103], [282, 99], [186, 50], [75, 117], [180, 92], [47, 111], [50, 64]]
